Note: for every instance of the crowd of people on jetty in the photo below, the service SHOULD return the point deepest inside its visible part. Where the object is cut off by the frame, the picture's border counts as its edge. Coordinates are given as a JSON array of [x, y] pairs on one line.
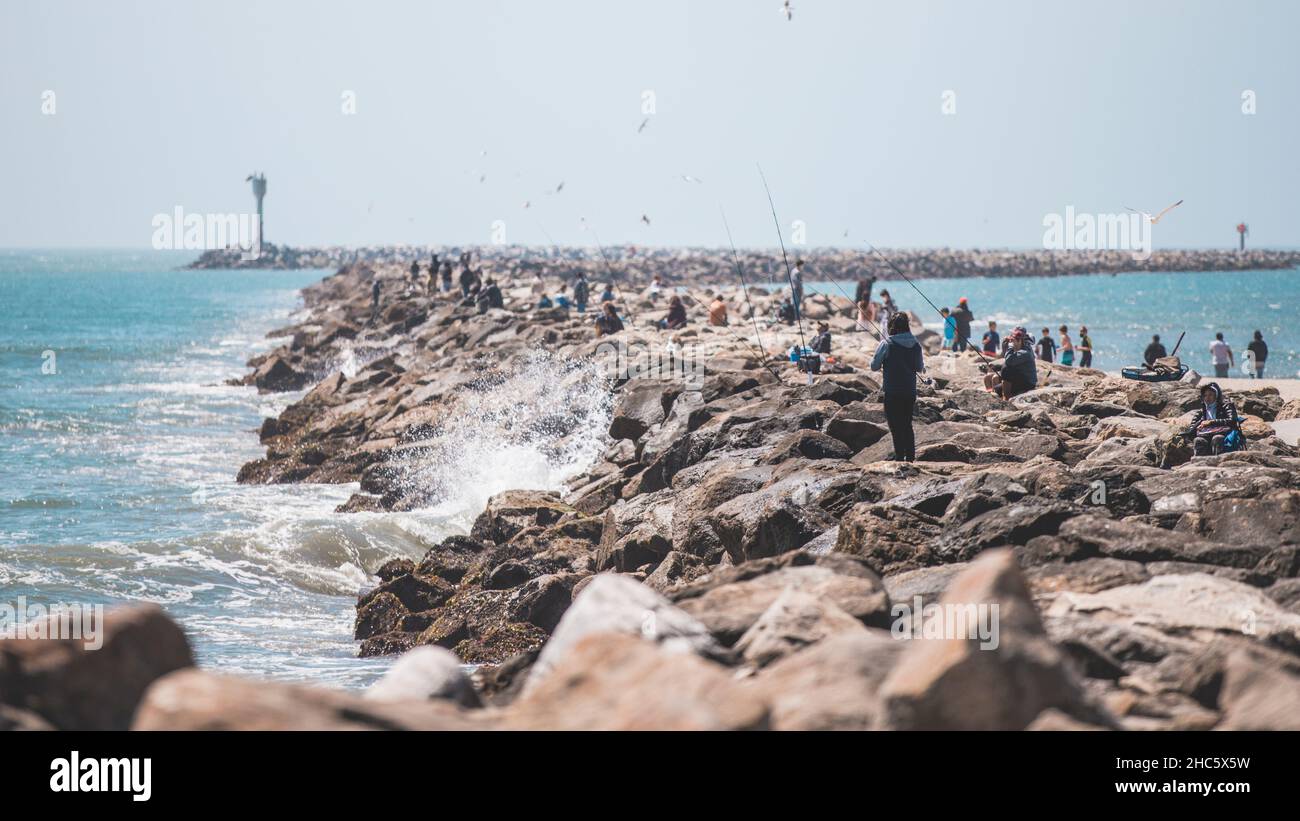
[[1010, 360]]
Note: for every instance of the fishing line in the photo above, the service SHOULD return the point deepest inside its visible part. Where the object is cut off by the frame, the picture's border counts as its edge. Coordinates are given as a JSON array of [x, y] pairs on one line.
[[798, 313], [735, 259], [908, 280], [737, 336], [612, 277]]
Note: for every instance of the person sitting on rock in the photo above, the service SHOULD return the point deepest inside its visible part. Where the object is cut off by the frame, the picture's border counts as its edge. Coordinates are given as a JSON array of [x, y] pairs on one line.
[[821, 343], [608, 322], [1214, 428], [489, 297], [718, 312], [1018, 371], [785, 312], [676, 318], [545, 302], [1154, 351], [899, 357], [607, 295]]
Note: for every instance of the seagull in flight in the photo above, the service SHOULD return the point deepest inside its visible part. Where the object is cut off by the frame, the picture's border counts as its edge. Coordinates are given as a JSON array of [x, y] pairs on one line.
[[645, 219], [787, 10], [644, 123], [689, 178], [559, 187], [1157, 217]]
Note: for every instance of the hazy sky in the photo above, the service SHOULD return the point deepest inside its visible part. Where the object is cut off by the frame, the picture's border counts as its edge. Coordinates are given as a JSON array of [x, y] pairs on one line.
[[1096, 105]]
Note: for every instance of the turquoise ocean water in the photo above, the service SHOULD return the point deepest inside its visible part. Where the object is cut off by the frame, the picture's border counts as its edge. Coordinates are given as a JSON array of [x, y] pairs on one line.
[[117, 470]]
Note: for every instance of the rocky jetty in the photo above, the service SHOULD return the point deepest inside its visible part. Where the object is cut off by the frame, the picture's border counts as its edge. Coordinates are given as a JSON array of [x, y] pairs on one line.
[[734, 548], [639, 264]]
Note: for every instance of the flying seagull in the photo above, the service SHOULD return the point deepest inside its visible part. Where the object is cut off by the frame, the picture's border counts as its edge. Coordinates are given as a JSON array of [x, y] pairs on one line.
[[787, 10], [645, 219], [644, 123], [559, 187], [1156, 218], [527, 203], [689, 178]]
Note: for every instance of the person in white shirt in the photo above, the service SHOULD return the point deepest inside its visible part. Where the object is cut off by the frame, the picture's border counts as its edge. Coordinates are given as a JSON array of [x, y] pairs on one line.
[[1220, 356]]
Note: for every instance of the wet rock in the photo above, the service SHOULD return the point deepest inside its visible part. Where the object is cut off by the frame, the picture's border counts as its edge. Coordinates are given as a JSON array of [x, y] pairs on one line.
[[276, 375], [510, 512]]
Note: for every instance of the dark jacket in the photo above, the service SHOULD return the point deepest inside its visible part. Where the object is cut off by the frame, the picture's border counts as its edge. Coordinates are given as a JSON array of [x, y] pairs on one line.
[[1260, 349], [963, 317], [1153, 352], [609, 324], [676, 316], [1020, 368], [580, 291], [1224, 410], [821, 343], [900, 358]]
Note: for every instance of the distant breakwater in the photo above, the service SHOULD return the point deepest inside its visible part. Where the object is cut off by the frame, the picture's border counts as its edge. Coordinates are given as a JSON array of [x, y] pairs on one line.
[[714, 265]]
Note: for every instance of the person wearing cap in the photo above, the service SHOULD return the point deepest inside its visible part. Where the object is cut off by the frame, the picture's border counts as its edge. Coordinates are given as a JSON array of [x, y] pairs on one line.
[[1018, 371], [964, 318]]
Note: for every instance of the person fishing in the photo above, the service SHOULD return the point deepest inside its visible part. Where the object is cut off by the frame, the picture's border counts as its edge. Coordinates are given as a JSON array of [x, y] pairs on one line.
[[1220, 356], [1047, 347], [949, 328], [489, 296], [1018, 371], [1067, 347], [992, 341], [785, 312], [796, 286], [580, 292], [607, 295], [1085, 347], [900, 358], [887, 307], [863, 291], [821, 343], [374, 300], [1257, 350], [963, 317], [468, 279], [718, 312], [676, 318], [866, 314], [608, 322], [446, 276], [1154, 351], [1214, 428]]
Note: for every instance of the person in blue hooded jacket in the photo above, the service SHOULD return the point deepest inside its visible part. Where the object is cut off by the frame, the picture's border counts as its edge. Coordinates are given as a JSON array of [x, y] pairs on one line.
[[899, 356]]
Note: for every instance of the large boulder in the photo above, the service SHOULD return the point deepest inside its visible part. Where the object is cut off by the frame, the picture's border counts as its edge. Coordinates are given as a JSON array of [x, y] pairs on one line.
[[978, 679], [729, 604], [612, 681], [74, 684], [831, 685], [792, 622], [199, 700], [425, 673], [510, 512], [611, 603]]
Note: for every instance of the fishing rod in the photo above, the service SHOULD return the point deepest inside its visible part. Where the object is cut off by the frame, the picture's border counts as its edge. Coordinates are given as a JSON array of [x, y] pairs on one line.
[[1179, 342], [612, 276], [763, 355], [735, 259], [909, 281], [789, 275]]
